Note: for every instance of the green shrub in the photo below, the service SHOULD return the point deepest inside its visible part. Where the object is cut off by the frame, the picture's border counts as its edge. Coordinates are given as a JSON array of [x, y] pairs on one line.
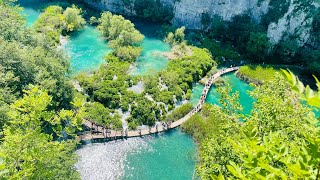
[[177, 37], [128, 53], [54, 21], [153, 10], [179, 112], [256, 74], [122, 35]]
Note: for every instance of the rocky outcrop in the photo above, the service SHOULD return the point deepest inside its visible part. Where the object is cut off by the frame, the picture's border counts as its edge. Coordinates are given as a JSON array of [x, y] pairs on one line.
[[114, 6], [189, 12], [296, 22]]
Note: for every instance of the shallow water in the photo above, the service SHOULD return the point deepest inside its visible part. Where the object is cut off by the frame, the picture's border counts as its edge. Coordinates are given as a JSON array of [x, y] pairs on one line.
[[236, 84], [151, 60], [169, 155], [31, 15], [86, 49]]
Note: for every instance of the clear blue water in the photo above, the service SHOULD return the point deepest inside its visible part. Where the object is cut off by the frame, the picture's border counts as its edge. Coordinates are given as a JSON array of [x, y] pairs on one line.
[[236, 84], [31, 15], [170, 155], [151, 60], [86, 49]]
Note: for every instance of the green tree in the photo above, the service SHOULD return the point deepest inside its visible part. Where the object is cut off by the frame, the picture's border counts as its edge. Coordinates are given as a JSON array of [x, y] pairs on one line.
[[54, 21], [122, 35], [177, 37], [73, 18], [51, 23], [153, 10], [30, 153], [230, 101], [128, 53], [97, 113], [258, 46]]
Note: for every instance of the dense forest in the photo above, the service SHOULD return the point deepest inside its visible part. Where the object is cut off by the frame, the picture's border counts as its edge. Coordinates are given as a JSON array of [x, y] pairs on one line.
[[38, 106], [42, 111]]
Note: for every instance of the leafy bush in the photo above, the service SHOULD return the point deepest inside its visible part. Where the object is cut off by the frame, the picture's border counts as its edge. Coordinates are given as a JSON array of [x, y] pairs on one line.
[[256, 74], [128, 53], [122, 36], [153, 10], [274, 141], [54, 21], [73, 19], [176, 38], [179, 112]]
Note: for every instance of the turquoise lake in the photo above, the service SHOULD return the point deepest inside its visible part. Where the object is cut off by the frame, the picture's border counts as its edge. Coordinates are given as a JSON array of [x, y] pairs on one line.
[[151, 157], [170, 155], [236, 84], [87, 48]]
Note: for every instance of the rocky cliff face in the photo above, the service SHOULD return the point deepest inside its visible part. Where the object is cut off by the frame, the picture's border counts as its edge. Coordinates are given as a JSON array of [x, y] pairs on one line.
[[189, 12], [296, 21]]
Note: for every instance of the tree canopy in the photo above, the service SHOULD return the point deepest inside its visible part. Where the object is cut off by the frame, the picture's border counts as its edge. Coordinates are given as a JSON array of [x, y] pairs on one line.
[[279, 139], [55, 21], [37, 103], [29, 152], [122, 36]]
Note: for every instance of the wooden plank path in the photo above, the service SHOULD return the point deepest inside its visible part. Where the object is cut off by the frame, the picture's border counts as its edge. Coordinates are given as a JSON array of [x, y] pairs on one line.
[[103, 133]]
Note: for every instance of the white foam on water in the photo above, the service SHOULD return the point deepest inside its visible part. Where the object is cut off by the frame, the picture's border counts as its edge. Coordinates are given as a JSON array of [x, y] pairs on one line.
[[107, 160]]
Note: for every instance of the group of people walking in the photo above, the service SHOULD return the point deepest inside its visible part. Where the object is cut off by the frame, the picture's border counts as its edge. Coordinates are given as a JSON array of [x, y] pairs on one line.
[[207, 88]]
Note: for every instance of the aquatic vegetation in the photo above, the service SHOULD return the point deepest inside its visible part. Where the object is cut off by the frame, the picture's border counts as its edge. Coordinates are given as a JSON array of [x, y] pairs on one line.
[[54, 21], [256, 74], [110, 84], [121, 34]]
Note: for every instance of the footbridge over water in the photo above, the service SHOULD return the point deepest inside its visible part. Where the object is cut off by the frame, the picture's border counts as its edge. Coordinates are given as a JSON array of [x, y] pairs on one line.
[[99, 132]]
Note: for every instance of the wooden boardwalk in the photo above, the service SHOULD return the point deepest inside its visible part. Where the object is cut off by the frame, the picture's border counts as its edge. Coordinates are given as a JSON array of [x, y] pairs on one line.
[[102, 133]]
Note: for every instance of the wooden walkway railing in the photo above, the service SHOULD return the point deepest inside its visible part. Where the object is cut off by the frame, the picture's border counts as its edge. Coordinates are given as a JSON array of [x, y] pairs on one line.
[[103, 133]]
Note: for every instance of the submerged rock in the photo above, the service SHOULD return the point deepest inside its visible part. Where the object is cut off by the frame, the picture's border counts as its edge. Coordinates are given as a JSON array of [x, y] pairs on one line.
[[138, 88]]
